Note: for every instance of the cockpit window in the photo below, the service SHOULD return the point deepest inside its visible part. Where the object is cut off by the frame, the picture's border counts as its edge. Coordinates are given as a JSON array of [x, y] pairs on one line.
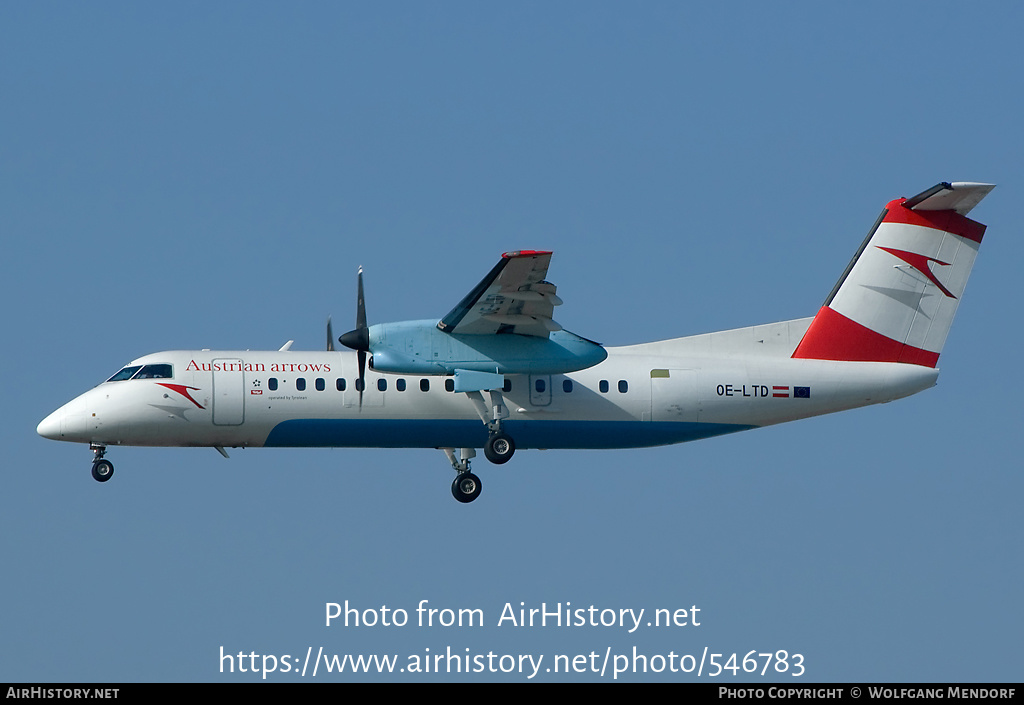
[[160, 371], [125, 373], [155, 372]]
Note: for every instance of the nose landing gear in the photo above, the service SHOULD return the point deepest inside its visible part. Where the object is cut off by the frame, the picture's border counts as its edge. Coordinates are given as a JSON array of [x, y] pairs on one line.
[[102, 470]]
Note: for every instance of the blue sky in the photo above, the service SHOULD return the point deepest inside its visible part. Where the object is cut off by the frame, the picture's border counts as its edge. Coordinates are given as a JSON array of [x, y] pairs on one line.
[[211, 176]]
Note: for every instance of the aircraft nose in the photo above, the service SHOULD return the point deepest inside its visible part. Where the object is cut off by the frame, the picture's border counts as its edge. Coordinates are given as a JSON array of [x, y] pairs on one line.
[[68, 423], [50, 426]]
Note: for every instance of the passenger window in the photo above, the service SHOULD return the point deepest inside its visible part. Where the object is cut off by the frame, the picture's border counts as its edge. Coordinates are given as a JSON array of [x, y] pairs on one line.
[[400, 384], [603, 386], [540, 386], [360, 385], [300, 384], [507, 387], [566, 385], [424, 385], [320, 384], [622, 386], [339, 384], [449, 385], [382, 384], [272, 384]]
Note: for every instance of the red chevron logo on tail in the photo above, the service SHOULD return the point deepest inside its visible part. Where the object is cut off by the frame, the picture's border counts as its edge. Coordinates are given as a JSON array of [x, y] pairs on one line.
[[920, 263]]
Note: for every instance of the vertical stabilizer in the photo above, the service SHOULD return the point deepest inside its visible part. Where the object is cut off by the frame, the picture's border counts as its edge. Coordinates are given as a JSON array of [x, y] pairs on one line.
[[896, 300]]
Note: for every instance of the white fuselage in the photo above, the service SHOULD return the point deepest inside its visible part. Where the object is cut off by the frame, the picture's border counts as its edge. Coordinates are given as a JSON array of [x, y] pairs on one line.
[[643, 395]]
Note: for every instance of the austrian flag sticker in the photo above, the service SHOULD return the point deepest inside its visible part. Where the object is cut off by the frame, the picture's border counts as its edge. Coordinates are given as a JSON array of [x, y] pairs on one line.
[[797, 392]]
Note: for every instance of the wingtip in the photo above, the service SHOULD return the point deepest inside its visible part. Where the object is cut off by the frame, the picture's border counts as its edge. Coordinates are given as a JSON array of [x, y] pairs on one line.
[[525, 253]]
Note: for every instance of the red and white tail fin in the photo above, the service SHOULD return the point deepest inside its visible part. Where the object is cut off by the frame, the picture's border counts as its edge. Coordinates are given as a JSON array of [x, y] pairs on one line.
[[896, 300]]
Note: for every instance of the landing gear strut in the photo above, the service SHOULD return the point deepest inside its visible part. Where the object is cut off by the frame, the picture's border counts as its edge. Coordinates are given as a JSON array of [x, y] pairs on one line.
[[102, 470], [500, 446]]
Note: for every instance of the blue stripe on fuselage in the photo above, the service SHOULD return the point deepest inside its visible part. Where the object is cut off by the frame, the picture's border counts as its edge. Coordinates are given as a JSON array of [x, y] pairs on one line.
[[439, 433]]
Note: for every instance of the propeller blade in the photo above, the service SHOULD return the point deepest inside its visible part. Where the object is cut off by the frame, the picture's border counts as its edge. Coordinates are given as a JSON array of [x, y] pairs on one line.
[[360, 303], [361, 382], [358, 339], [330, 336]]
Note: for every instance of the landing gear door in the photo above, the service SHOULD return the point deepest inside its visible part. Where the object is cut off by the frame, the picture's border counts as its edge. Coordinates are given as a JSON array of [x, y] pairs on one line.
[[228, 393], [674, 395]]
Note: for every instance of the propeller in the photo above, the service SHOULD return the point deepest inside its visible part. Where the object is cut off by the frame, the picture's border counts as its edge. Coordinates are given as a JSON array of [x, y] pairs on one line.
[[358, 339], [330, 336]]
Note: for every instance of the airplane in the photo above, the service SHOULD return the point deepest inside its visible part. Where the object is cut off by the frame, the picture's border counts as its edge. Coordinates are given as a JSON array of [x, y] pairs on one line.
[[498, 373]]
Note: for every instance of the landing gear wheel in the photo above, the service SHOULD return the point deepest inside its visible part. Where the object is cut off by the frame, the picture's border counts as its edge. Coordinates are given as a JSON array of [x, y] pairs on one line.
[[102, 470], [466, 487], [499, 448]]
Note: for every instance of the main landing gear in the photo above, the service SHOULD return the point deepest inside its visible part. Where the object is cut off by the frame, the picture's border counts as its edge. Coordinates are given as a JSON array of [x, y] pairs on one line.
[[102, 470], [499, 447], [466, 486]]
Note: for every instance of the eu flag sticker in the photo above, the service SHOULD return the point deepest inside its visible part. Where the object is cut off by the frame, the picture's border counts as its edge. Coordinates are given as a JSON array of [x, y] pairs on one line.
[[801, 392]]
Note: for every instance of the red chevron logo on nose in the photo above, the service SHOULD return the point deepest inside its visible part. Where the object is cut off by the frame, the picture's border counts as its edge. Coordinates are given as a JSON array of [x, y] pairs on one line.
[[920, 263], [182, 390]]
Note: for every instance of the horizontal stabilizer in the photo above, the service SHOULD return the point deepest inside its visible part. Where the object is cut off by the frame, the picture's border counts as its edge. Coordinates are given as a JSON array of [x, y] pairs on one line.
[[960, 197]]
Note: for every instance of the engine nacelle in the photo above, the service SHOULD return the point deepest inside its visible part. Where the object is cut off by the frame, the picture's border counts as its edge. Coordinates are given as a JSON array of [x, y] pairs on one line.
[[418, 347]]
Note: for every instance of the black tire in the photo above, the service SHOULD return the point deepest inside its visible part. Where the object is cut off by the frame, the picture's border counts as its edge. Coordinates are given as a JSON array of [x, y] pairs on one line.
[[102, 470], [499, 448], [466, 487]]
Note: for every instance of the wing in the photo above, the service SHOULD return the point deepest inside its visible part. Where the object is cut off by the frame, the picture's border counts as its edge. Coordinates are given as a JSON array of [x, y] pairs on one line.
[[512, 298]]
